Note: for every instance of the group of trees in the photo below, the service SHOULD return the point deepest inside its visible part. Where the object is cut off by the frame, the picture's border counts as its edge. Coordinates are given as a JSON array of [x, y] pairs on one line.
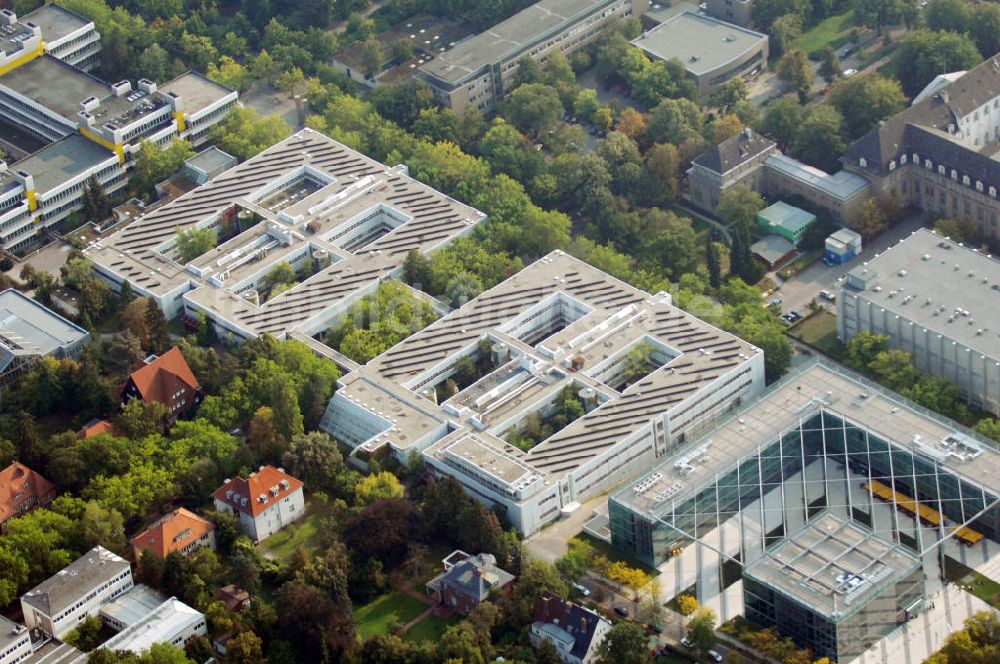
[[537, 426], [379, 321], [870, 354]]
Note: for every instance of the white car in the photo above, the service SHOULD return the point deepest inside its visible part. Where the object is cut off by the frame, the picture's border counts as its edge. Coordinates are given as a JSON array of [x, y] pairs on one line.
[[716, 657], [686, 642], [850, 72], [582, 589]]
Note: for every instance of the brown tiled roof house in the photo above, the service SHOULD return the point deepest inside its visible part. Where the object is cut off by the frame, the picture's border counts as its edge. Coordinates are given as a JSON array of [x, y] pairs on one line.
[[181, 530], [22, 490], [166, 379]]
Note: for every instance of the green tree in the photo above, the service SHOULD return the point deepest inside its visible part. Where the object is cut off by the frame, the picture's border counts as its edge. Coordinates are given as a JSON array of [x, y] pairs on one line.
[[796, 71], [154, 164], [863, 101], [701, 630], [819, 141], [712, 262], [878, 13], [230, 73], [988, 426], [977, 643], [244, 133], [624, 642], [831, 68], [784, 31], [194, 242], [871, 219], [949, 15], [925, 54], [534, 108], [782, 120], [372, 56], [863, 348], [739, 205], [86, 635], [378, 486], [985, 28]]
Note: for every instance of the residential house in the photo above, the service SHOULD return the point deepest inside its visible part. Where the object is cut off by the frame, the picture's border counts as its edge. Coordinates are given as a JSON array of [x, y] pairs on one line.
[[235, 599], [468, 581], [265, 502], [576, 632], [181, 530], [57, 605], [22, 490], [96, 427], [166, 379]]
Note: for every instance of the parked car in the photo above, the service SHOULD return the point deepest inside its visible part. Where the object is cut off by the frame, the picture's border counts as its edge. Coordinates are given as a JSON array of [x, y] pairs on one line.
[[716, 657], [622, 611], [849, 72], [686, 642], [828, 295], [582, 589], [777, 301]]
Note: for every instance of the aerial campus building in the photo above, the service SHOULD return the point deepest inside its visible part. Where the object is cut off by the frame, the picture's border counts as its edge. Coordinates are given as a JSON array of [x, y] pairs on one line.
[[831, 501], [89, 127], [937, 300], [559, 327], [712, 51], [308, 200], [479, 71]]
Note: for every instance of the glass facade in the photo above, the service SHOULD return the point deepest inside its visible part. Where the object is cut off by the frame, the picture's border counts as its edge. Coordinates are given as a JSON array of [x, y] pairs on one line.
[[839, 455], [842, 638]]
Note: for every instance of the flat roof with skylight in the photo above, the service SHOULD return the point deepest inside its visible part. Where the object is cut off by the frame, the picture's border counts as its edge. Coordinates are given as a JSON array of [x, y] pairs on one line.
[[702, 44]]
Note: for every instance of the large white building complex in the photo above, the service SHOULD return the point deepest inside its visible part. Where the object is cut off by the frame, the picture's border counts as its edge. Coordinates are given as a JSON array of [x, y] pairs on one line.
[[90, 127], [478, 72], [830, 508], [558, 328], [308, 198], [937, 300]]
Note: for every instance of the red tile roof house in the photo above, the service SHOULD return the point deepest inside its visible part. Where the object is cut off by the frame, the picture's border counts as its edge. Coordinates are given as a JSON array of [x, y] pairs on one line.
[[181, 530], [265, 502], [166, 379], [96, 427], [22, 490]]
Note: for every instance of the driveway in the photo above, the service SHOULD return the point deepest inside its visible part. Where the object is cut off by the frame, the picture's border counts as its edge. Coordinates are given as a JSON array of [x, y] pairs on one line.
[[797, 292], [550, 543], [267, 100]]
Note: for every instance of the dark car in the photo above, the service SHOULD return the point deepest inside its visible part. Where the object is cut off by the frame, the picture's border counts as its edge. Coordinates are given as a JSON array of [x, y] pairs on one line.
[[622, 611]]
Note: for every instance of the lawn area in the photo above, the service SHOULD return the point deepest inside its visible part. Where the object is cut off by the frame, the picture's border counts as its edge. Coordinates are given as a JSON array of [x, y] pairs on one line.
[[304, 532], [614, 555], [375, 617], [819, 331], [973, 582], [800, 263], [834, 31], [430, 628]]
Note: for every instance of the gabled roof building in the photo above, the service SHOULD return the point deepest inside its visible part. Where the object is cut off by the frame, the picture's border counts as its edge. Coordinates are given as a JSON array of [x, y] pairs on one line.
[[575, 632], [265, 502], [166, 379], [182, 531], [465, 584], [22, 490]]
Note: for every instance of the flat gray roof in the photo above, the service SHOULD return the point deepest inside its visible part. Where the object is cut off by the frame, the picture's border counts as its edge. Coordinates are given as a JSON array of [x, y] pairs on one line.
[[508, 37], [131, 607], [55, 21], [700, 42], [55, 85], [210, 159], [10, 633], [56, 652], [842, 185], [832, 566], [815, 387], [73, 582], [928, 279], [197, 91], [66, 158], [32, 326]]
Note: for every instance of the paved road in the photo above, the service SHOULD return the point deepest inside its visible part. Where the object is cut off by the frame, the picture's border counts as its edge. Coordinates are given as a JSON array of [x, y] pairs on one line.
[[797, 292]]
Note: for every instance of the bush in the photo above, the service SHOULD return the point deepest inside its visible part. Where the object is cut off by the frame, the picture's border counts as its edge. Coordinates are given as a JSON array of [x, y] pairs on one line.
[[6, 264]]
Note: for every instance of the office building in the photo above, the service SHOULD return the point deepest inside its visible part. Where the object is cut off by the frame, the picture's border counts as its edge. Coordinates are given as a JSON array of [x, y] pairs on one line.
[[58, 605], [939, 155], [265, 502], [478, 72], [15, 642], [172, 622], [647, 376], [739, 12], [91, 128], [712, 51], [833, 585], [30, 330], [937, 300], [824, 498], [307, 200]]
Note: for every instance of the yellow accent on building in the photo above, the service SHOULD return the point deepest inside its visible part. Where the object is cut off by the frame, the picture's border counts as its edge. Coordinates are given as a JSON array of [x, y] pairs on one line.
[[117, 148], [32, 201], [179, 117], [24, 59]]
